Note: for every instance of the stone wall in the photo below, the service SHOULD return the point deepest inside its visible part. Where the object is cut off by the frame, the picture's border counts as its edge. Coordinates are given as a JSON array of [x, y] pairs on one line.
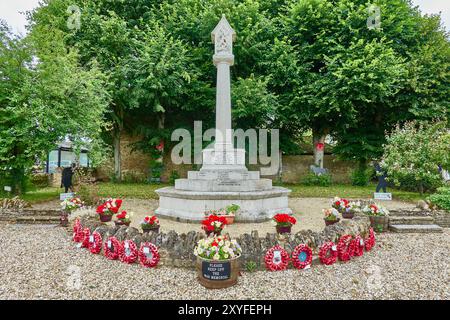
[[442, 218], [177, 249]]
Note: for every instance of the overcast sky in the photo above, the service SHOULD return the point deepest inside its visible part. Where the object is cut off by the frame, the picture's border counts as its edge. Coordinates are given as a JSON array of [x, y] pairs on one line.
[[10, 11]]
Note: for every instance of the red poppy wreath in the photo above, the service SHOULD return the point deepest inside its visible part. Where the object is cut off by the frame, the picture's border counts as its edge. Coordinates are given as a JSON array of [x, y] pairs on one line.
[[370, 241], [148, 255], [302, 256], [85, 241], [95, 243], [357, 245], [111, 248], [77, 231], [345, 250], [128, 252], [276, 259], [328, 253]]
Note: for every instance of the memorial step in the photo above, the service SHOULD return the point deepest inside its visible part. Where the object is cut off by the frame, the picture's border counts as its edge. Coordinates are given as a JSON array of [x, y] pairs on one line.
[[416, 220], [415, 228], [31, 219]]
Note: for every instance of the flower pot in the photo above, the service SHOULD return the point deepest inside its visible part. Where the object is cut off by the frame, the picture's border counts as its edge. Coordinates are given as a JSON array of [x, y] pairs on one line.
[[229, 218], [121, 223], [105, 217], [379, 223], [348, 215], [64, 219], [330, 222], [217, 274], [153, 229], [283, 229]]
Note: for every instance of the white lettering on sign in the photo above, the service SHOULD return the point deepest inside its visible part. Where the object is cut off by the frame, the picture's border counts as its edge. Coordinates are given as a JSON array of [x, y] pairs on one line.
[[382, 196]]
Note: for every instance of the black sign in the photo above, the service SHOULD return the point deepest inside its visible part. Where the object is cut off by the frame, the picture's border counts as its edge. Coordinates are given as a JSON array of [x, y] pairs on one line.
[[216, 270]]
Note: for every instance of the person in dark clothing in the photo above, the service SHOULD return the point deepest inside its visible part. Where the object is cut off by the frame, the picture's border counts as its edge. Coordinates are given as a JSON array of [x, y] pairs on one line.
[[66, 177], [381, 174]]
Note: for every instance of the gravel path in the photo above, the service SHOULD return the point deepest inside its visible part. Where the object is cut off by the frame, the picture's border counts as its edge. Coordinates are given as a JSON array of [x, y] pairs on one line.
[[307, 211], [39, 262]]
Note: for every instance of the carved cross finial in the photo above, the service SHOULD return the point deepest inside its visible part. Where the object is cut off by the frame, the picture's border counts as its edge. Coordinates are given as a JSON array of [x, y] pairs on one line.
[[223, 36]]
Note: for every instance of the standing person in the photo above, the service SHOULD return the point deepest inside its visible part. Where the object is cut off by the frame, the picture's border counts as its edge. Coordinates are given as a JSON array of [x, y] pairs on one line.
[[66, 177], [381, 174]]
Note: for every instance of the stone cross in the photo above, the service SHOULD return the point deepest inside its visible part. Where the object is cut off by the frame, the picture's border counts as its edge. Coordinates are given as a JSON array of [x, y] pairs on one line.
[[223, 36]]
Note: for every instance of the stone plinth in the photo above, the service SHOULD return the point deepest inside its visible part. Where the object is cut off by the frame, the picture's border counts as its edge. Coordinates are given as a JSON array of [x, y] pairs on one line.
[[183, 205]]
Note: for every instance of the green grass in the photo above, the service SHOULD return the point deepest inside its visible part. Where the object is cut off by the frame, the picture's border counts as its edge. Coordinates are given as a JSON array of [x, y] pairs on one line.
[[147, 191]]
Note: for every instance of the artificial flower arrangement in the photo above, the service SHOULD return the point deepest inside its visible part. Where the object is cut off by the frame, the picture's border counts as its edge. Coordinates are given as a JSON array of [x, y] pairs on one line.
[[71, 204], [375, 210], [150, 223], [283, 222], [340, 204], [214, 224], [345, 207], [124, 218], [108, 209], [217, 248], [331, 216]]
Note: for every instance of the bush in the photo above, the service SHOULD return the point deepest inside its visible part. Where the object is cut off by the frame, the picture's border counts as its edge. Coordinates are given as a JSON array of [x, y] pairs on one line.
[[173, 176], [322, 180], [441, 198], [361, 177], [39, 180], [408, 183]]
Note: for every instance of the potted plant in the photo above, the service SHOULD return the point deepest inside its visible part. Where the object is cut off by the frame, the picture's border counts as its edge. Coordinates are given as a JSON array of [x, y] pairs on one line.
[[67, 206], [214, 224], [150, 223], [124, 218], [340, 204], [349, 211], [283, 222], [217, 262], [108, 209], [378, 216], [231, 211], [331, 216]]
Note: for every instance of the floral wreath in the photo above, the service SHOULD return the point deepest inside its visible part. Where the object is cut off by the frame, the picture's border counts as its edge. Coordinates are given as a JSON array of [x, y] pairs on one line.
[[302, 256], [357, 246], [111, 248], [85, 241], [77, 232], [370, 241], [128, 252], [276, 258], [325, 258], [344, 248], [95, 243], [148, 255]]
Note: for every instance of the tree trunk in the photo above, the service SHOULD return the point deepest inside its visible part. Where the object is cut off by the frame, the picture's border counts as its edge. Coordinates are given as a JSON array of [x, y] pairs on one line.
[[318, 147], [117, 158], [161, 119], [421, 187]]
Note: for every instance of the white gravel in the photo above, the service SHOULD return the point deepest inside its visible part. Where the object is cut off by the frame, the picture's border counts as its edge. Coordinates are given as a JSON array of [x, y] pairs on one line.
[[40, 262]]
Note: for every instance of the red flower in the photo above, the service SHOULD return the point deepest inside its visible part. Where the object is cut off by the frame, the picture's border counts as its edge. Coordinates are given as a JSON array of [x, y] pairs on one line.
[[122, 215], [101, 209], [284, 218], [147, 219]]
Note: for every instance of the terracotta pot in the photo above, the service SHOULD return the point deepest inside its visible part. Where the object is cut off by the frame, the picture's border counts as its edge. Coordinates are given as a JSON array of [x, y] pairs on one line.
[[282, 230], [105, 217], [329, 223], [379, 223], [153, 229], [217, 274], [229, 218], [121, 223], [348, 215]]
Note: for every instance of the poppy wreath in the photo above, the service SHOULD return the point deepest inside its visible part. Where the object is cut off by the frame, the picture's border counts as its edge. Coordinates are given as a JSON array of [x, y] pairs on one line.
[[111, 248], [128, 252], [85, 241], [328, 253], [344, 248], [304, 252], [95, 243], [276, 261], [357, 245], [77, 232], [148, 258], [370, 241]]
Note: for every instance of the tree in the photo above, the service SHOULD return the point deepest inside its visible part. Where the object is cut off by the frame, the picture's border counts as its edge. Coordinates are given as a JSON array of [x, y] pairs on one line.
[[415, 151], [44, 96]]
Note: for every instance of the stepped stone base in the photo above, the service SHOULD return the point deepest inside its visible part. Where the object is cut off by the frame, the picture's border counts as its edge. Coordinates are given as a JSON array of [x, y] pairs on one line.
[[417, 220], [415, 228], [256, 206]]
